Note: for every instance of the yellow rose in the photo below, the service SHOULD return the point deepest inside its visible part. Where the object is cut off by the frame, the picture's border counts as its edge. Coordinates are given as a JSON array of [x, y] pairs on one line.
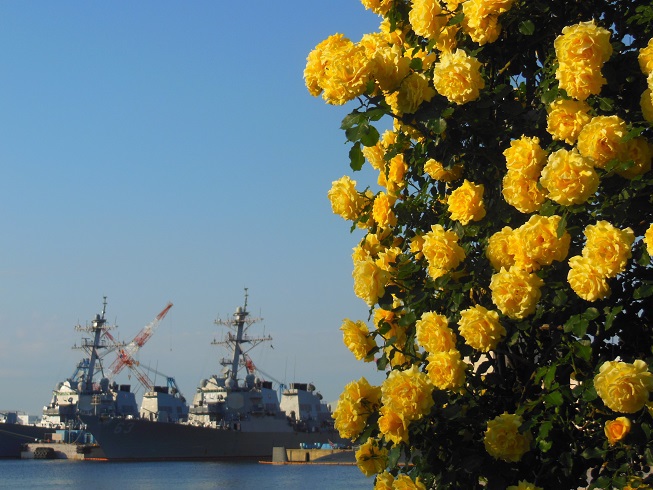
[[392, 351], [369, 280], [566, 118], [388, 66], [580, 80], [499, 250], [382, 211], [504, 441], [481, 19], [384, 481], [640, 152], [617, 429], [405, 482], [364, 393], [645, 58], [413, 91], [357, 339], [458, 77], [481, 328], [396, 36], [358, 400], [524, 485], [648, 239], [433, 332], [624, 387], [466, 203], [442, 251], [338, 69], [408, 393], [447, 39], [600, 139], [416, 244], [347, 421], [375, 155], [345, 199], [646, 103], [540, 243], [397, 168], [522, 192], [569, 178], [586, 281], [608, 248], [584, 43], [379, 7], [426, 18], [515, 292], [445, 369], [370, 458], [525, 156], [370, 246], [393, 426], [437, 171]]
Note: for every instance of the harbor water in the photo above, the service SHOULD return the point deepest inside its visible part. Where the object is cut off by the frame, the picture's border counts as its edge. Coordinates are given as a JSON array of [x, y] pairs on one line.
[[85, 475]]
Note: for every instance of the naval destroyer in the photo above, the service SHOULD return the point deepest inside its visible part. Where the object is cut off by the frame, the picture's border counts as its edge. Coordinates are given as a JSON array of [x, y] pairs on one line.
[[230, 417]]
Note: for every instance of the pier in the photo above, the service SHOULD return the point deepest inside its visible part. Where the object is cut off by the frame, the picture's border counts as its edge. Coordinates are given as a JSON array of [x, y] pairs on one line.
[[281, 455]]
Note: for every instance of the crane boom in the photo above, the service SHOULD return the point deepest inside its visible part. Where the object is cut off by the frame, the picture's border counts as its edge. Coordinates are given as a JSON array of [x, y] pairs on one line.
[[126, 354]]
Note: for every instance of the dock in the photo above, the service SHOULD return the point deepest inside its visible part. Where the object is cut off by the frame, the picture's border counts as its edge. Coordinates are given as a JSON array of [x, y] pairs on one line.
[[61, 450], [281, 455]]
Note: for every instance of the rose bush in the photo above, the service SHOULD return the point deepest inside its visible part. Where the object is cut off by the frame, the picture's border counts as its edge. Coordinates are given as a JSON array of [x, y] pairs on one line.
[[507, 241]]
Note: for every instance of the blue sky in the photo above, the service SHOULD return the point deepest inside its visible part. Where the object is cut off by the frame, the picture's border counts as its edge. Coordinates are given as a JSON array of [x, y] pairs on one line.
[[159, 151]]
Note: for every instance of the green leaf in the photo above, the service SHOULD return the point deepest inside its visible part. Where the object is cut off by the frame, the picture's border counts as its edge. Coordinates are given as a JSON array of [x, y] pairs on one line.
[[382, 362], [356, 157], [393, 456], [583, 350], [554, 398], [438, 125], [593, 453], [644, 291], [527, 28], [369, 135], [562, 226], [375, 113], [610, 315], [550, 95], [591, 313], [550, 377], [606, 104], [416, 64], [633, 133], [353, 119], [456, 19], [590, 393]]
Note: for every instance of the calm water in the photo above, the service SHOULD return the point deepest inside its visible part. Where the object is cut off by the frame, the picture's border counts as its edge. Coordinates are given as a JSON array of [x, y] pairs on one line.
[[86, 475]]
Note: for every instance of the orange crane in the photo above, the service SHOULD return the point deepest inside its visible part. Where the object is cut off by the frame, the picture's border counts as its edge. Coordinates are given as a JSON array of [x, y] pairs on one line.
[[126, 354]]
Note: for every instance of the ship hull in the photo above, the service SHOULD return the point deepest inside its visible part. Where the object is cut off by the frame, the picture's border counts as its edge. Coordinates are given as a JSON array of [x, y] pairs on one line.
[[14, 436], [143, 440]]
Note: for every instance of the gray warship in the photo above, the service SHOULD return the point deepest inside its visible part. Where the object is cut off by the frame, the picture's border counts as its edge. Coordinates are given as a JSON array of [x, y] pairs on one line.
[[230, 417], [91, 388]]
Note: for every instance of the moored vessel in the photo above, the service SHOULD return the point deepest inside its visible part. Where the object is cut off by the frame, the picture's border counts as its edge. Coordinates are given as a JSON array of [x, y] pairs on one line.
[[230, 417]]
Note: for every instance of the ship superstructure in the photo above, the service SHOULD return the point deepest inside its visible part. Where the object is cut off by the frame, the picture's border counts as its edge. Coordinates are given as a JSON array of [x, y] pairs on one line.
[[88, 390]]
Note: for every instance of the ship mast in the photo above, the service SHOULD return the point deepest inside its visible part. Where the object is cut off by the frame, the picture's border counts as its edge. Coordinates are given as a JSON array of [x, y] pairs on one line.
[[240, 324], [97, 328]]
